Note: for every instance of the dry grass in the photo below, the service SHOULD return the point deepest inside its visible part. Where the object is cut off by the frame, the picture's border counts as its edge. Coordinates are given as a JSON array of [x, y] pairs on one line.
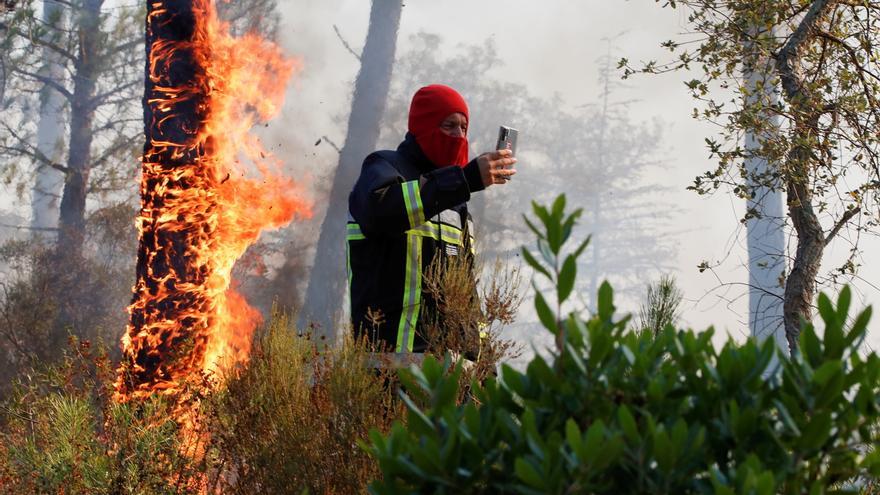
[[470, 314], [294, 415]]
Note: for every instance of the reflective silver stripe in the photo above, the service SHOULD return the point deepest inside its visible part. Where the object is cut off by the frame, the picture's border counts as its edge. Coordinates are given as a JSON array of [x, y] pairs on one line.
[[413, 201], [412, 292]]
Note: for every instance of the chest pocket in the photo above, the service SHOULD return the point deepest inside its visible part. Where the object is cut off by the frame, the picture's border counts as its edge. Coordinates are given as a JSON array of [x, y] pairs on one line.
[[451, 231]]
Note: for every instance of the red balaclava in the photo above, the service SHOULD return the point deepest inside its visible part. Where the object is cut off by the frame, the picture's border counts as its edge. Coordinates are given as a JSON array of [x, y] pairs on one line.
[[430, 106]]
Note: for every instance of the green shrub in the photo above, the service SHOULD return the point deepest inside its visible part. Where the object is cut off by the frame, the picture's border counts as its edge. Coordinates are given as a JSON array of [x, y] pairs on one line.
[[60, 432], [623, 412]]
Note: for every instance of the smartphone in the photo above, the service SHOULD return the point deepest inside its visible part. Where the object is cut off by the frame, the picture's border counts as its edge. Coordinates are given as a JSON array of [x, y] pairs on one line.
[[507, 139]]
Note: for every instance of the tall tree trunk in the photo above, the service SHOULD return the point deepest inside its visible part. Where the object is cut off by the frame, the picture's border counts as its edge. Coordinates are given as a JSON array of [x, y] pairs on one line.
[[50, 129], [326, 291], [71, 223], [67, 286], [765, 235], [800, 285], [165, 262]]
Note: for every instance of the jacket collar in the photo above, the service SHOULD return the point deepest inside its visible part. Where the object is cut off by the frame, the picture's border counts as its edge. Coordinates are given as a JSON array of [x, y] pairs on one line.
[[413, 153]]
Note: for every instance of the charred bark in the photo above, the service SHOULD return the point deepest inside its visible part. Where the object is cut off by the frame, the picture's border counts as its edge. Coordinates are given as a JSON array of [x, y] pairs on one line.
[[164, 261], [327, 283]]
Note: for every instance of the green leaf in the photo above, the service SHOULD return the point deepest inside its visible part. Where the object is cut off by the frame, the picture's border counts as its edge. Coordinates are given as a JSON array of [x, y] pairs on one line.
[[858, 331], [558, 208], [593, 442], [843, 301], [810, 345], [787, 420], [545, 314], [627, 424], [573, 436], [568, 225], [817, 431], [580, 249], [663, 450], [606, 301], [566, 279], [527, 473], [546, 252], [535, 230], [826, 371], [826, 310], [534, 263]]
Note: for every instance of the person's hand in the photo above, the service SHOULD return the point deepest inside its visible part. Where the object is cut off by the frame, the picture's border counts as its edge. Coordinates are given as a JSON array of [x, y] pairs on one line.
[[493, 167]]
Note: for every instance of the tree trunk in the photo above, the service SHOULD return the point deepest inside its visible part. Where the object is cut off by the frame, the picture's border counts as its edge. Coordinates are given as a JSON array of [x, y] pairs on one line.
[[168, 272], [325, 295], [765, 234], [801, 282], [66, 269], [50, 130], [71, 223]]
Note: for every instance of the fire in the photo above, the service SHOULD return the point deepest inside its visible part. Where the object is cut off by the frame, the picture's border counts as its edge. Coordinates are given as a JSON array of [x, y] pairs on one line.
[[208, 189]]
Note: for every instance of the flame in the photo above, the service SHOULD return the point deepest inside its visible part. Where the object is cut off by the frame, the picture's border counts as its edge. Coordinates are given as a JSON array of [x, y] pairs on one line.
[[208, 189]]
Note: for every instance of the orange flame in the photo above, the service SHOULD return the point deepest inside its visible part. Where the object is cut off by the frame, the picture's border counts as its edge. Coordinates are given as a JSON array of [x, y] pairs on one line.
[[206, 198]]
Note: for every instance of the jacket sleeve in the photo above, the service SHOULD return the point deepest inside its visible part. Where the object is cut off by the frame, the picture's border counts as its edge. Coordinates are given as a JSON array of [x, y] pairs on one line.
[[383, 202]]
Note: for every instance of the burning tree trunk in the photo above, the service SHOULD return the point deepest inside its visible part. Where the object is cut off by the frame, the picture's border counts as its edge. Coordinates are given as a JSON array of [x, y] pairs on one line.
[[200, 207], [325, 293]]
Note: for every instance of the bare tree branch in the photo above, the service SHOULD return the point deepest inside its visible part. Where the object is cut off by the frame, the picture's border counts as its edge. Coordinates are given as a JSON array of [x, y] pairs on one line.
[[789, 54], [345, 43], [331, 143], [49, 82], [840, 223]]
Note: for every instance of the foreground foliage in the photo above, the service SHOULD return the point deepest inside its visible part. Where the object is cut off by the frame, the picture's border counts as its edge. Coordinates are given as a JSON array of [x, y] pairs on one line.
[[617, 411]]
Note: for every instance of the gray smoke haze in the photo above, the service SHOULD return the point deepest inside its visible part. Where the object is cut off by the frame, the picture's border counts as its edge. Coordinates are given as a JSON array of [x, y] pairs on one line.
[[551, 48]]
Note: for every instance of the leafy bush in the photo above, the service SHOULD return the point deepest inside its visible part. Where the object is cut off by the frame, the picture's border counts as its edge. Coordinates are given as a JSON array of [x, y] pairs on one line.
[[618, 411]]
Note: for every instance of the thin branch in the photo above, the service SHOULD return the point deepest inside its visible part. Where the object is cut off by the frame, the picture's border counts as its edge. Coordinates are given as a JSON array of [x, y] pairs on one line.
[[97, 100], [48, 82], [25, 227], [840, 223], [345, 43], [125, 46], [331, 143], [52, 46], [33, 152]]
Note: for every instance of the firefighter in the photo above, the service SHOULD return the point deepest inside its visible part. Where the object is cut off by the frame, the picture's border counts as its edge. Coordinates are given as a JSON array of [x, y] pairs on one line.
[[408, 207]]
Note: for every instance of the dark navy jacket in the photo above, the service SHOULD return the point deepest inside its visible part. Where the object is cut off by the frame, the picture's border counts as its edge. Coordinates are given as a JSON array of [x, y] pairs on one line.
[[403, 212]]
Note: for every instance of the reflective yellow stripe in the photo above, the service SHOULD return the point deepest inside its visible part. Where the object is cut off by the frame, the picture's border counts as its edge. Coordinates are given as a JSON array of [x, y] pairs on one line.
[[354, 232], [413, 201], [430, 229], [412, 294]]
